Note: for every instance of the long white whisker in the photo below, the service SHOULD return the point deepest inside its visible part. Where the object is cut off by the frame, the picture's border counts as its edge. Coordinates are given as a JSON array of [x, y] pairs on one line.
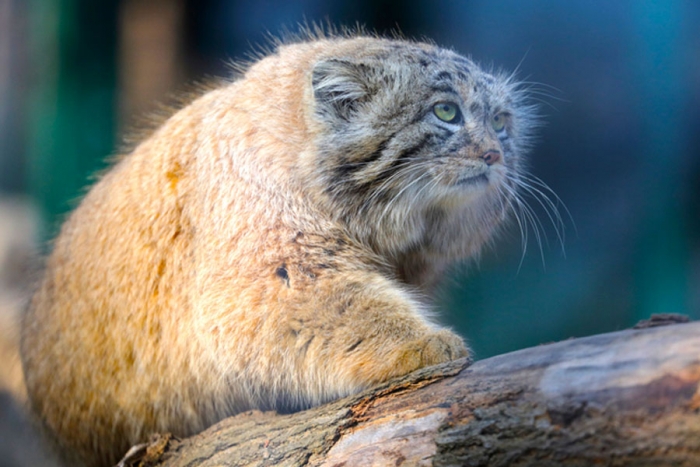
[[530, 184], [536, 226], [549, 209], [537, 181], [532, 219], [512, 201]]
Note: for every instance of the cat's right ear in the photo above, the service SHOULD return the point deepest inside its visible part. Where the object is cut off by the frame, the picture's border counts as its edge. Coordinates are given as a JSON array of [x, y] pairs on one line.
[[340, 87]]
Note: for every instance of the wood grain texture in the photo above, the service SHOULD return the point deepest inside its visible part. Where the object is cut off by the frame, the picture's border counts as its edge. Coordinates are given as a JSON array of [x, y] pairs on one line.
[[625, 398]]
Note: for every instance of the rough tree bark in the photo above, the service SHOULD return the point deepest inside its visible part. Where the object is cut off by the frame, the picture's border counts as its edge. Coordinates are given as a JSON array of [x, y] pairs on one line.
[[625, 398]]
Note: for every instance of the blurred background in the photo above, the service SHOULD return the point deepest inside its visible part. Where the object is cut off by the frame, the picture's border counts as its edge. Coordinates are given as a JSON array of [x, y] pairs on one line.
[[620, 147]]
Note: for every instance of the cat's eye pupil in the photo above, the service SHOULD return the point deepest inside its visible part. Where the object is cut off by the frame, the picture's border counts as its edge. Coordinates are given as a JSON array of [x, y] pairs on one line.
[[447, 112]]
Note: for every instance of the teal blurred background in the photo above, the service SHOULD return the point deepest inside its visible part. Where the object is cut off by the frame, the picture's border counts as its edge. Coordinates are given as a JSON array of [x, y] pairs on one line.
[[621, 144]]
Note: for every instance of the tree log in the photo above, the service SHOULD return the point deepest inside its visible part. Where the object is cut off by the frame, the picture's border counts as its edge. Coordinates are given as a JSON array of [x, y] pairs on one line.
[[625, 398]]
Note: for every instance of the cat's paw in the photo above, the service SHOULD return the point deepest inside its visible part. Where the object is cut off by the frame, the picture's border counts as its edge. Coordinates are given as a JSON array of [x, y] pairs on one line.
[[442, 346], [437, 347], [370, 368]]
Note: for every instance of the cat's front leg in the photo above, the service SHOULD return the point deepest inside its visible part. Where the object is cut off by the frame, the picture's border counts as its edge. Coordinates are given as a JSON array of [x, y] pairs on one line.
[[372, 331]]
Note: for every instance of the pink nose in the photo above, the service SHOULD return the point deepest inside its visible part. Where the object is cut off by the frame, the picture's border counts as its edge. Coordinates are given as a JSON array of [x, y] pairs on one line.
[[491, 157]]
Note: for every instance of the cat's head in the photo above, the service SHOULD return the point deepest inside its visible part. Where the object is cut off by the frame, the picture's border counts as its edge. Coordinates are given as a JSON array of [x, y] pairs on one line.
[[419, 147]]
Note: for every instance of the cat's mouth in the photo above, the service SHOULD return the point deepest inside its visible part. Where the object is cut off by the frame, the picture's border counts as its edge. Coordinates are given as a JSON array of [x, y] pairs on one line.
[[481, 179]]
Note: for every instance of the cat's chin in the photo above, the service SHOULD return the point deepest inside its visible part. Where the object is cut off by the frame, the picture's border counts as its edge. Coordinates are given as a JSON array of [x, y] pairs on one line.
[[463, 194], [473, 186]]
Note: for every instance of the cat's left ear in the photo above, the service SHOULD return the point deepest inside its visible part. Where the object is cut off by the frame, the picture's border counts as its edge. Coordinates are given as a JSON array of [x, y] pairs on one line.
[[340, 86]]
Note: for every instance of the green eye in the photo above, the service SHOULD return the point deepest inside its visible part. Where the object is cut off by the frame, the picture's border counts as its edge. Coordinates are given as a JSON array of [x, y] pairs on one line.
[[446, 111], [498, 122]]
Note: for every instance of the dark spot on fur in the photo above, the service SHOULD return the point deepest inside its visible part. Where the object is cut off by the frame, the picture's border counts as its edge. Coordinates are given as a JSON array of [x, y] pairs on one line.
[[307, 272], [282, 273], [443, 82], [444, 75], [306, 345], [344, 306], [460, 141], [443, 87], [354, 346], [296, 326]]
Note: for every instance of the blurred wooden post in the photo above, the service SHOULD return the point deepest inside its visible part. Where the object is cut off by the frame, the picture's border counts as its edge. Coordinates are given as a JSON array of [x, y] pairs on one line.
[[150, 55]]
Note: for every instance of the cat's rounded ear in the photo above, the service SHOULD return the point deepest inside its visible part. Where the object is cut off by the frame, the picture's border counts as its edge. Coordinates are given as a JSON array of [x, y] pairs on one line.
[[340, 86]]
